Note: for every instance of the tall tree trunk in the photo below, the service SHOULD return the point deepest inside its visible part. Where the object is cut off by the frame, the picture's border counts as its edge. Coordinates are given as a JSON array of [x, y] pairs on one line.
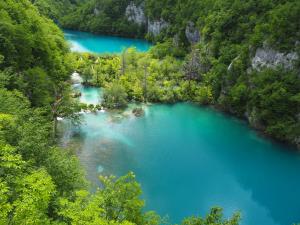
[[145, 84], [55, 108], [123, 67], [54, 127]]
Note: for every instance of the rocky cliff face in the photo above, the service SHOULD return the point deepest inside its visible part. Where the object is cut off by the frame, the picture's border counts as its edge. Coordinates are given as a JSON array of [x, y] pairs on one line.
[[267, 57], [96, 11], [156, 27], [192, 33], [136, 14]]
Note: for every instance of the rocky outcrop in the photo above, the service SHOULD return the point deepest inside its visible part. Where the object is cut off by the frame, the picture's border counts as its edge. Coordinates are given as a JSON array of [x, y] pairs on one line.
[[96, 11], [192, 33], [138, 112], [267, 57], [176, 40], [135, 14], [253, 119], [156, 27]]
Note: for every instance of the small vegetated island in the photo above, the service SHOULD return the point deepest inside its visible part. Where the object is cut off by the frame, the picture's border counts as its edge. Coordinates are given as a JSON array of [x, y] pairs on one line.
[[240, 57]]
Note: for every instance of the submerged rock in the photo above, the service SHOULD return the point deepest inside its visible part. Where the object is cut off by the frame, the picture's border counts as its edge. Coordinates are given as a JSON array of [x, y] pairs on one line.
[[138, 112], [100, 169]]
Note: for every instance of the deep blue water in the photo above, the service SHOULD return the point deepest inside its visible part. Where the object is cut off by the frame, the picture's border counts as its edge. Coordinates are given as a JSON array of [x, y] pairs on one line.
[[190, 158], [87, 42]]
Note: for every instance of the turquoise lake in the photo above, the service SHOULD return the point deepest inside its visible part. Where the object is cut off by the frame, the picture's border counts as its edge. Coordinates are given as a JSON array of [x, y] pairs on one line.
[[87, 42], [189, 158]]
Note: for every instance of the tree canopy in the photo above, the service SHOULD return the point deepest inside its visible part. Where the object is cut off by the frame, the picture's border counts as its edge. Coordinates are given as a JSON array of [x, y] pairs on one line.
[[40, 183]]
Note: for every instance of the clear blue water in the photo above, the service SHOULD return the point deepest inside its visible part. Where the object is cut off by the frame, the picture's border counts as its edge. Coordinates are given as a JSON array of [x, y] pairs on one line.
[[190, 158], [87, 42], [89, 95]]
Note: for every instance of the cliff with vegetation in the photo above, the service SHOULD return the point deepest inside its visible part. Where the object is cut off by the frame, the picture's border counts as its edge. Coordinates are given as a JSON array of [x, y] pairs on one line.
[[41, 183], [248, 56], [242, 57]]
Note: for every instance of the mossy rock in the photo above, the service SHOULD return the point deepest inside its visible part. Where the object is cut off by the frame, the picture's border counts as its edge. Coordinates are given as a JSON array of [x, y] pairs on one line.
[[138, 112]]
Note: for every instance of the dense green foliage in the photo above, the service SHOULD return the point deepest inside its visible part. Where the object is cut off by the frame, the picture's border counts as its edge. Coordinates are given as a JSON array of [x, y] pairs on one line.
[[217, 69], [103, 17], [236, 23], [55, 9], [115, 96], [272, 105], [143, 77], [41, 183], [213, 218], [35, 59], [231, 31]]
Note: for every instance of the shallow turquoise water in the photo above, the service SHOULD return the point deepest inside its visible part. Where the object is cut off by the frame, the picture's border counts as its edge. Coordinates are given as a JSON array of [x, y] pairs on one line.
[[87, 42], [190, 158], [89, 95]]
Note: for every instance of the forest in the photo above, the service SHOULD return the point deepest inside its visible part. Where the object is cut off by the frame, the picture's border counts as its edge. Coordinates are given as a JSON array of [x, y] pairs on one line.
[[41, 183], [219, 69]]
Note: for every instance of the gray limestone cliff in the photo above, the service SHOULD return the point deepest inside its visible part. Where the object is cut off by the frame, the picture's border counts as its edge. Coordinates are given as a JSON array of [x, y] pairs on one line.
[[267, 57], [96, 11], [155, 27], [192, 33], [135, 14]]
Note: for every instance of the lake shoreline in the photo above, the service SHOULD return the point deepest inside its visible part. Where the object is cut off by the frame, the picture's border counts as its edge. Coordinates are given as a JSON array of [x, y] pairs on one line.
[[253, 120], [106, 35], [118, 142], [86, 42], [260, 132]]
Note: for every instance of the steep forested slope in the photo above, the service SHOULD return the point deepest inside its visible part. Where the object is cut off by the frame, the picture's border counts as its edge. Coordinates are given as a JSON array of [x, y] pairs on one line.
[[34, 173], [39, 182], [55, 9], [103, 17], [245, 53]]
